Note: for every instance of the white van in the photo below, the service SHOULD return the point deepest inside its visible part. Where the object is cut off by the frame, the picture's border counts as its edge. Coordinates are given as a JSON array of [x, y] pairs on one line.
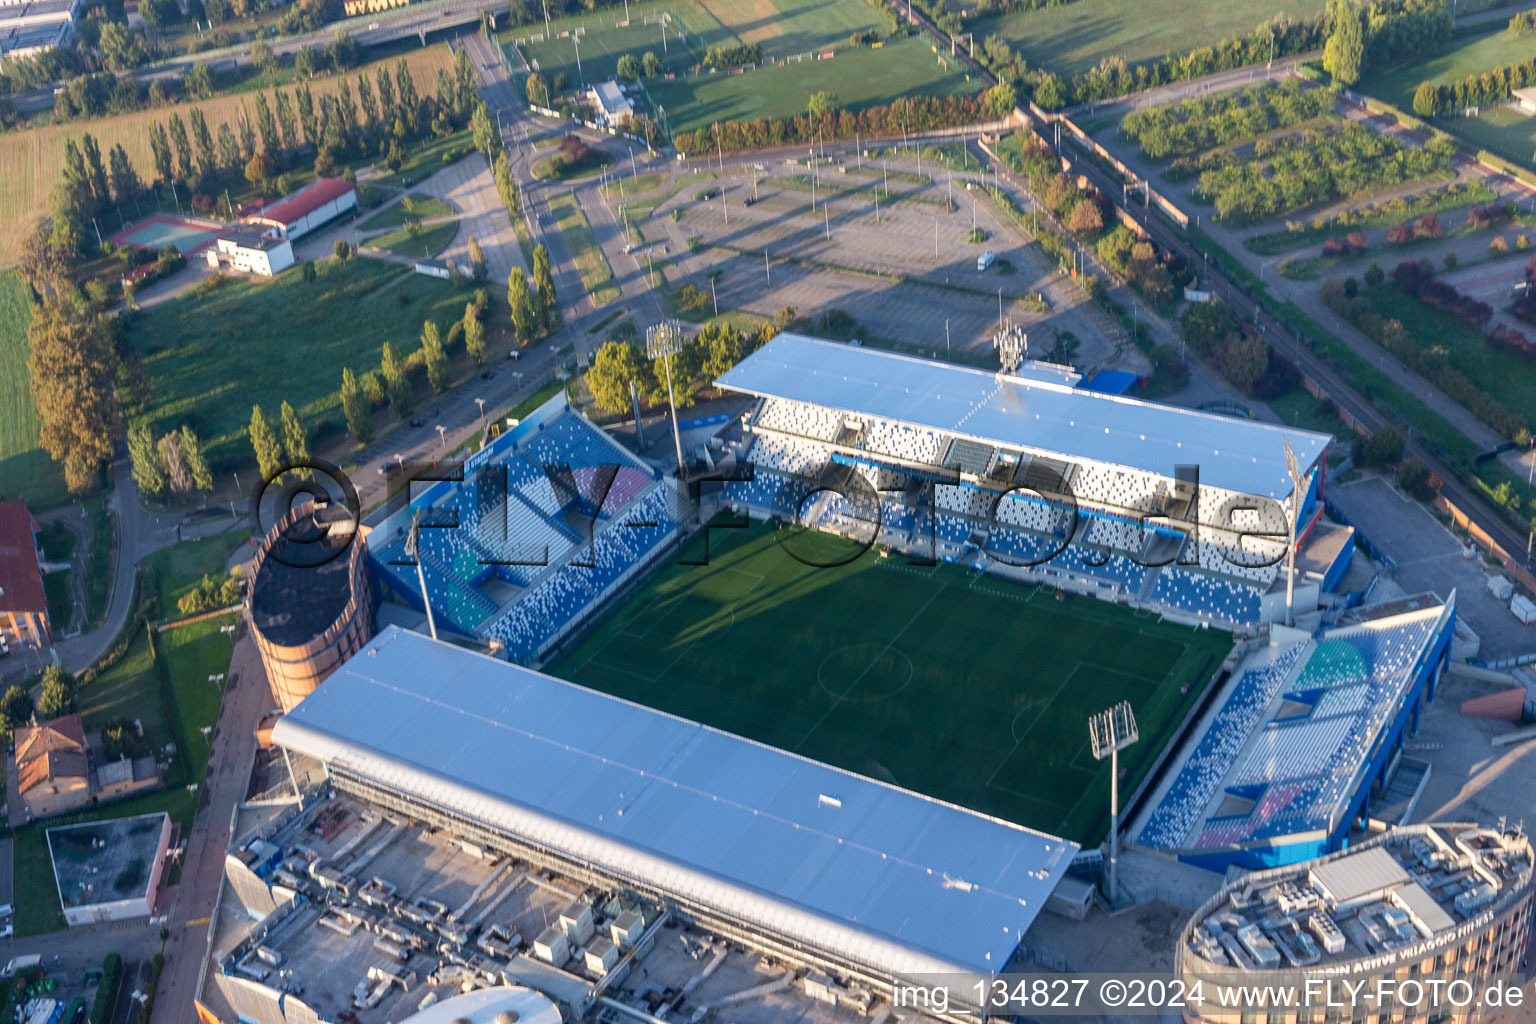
[[985, 260]]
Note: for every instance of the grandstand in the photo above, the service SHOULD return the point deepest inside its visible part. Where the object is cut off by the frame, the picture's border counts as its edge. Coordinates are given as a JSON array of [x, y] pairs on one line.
[[548, 519], [1286, 758], [1182, 511]]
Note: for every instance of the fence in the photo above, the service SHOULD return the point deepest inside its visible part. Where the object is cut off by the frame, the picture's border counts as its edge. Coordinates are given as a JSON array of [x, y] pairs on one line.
[[1481, 538]]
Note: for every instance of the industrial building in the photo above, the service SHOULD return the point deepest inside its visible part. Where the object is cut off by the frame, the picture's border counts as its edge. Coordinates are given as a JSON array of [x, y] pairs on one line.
[[799, 861], [28, 27], [1283, 764], [109, 870], [1421, 903], [311, 603], [251, 249], [1025, 473]]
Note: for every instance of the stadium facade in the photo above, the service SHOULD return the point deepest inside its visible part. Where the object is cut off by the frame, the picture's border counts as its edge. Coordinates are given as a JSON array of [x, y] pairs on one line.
[[1027, 474], [1446, 903], [786, 855], [1284, 763], [548, 520]]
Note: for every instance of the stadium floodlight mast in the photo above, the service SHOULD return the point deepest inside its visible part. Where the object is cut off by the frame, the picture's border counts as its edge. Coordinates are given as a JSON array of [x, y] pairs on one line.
[[1294, 470], [1110, 732], [413, 549], [663, 341]]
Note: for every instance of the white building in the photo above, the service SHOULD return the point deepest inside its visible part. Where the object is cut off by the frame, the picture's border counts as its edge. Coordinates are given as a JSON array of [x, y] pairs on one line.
[[109, 870], [1525, 99], [612, 108], [301, 212], [28, 27], [250, 249]]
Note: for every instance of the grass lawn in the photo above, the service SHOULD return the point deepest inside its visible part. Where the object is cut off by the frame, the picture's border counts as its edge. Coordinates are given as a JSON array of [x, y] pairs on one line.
[[32, 160], [856, 666], [860, 78], [425, 243], [625, 186], [60, 607], [1074, 37], [544, 169], [209, 354], [26, 471], [179, 568], [424, 159], [422, 208], [596, 275], [1300, 408], [1502, 129], [1502, 375]]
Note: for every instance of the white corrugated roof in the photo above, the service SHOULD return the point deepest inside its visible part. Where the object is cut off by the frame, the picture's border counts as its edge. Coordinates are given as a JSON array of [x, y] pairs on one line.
[[1036, 415], [1370, 872], [895, 880]]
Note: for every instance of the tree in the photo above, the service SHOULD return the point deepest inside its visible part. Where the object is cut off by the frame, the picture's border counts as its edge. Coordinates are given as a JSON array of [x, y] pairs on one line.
[[476, 259], [177, 477], [307, 271], [159, 12], [74, 366], [122, 48], [1344, 53], [148, 469], [822, 102], [1374, 275], [295, 440], [183, 146], [396, 388], [1426, 100], [1383, 448], [999, 101], [1085, 218], [342, 250], [506, 186], [269, 451], [197, 463], [57, 696], [206, 154], [160, 146], [537, 90], [628, 68], [15, 708], [263, 57], [650, 65], [520, 301], [354, 405], [483, 129], [474, 333], [615, 365], [125, 180], [438, 371], [258, 170], [544, 282]]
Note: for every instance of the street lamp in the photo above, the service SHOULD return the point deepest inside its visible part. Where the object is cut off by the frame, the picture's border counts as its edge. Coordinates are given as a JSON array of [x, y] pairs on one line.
[[1110, 732], [481, 403], [442, 434], [663, 341]]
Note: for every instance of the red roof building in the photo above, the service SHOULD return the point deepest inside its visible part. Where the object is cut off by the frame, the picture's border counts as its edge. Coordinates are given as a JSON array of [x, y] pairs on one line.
[[299, 213], [52, 765], [23, 606]]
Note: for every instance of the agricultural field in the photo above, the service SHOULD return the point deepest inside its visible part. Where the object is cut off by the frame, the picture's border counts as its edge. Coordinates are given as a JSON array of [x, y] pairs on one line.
[[25, 469], [31, 161], [1502, 129], [209, 354], [860, 78], [1071, 38]]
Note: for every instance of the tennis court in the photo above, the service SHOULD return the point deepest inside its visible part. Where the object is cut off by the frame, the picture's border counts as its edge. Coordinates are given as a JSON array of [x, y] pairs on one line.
[[965, 687], [161, 230]]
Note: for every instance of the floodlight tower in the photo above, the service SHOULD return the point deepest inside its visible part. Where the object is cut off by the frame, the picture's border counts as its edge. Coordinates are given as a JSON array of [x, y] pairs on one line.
[[663, 341], [1012, 346], [413, 549], [1294, 470], [1110, 732]]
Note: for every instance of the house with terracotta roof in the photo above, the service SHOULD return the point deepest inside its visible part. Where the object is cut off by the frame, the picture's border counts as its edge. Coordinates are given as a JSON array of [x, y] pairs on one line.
[[23, 606], [53, 766], [299, 213]]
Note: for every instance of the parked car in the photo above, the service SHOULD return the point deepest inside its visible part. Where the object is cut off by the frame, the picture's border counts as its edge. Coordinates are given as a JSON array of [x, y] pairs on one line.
[[986, 259]]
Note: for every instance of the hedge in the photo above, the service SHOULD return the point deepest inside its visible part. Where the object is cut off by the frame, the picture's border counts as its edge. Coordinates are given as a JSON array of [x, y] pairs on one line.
[[106, 990]]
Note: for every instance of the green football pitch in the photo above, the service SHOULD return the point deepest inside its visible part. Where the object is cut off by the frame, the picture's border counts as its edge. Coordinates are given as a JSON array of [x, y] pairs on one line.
[[956, 684]]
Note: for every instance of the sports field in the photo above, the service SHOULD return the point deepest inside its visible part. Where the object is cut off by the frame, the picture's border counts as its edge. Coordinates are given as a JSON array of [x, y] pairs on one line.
[[1073, 37], [962, 686], [1506, 131], [690, 32]]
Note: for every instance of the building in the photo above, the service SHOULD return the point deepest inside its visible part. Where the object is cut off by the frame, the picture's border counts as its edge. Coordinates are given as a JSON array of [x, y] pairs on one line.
[[1030, 475], [1284, 763], [311, 602], [1419, 904], [1525, 99], [795, 859], [490, 1006], [28, 27], [53, 766], [299, 213], [23, 604], [552, 517], [109, 870], [251, 249], [610, 106]]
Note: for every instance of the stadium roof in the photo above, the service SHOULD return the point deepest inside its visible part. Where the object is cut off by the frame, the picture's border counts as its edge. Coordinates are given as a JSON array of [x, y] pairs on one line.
[[1281, 753], [896, 881], [1240, 455]]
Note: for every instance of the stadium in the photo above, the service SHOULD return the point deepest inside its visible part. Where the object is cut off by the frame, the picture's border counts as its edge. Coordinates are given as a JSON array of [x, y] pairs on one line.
[[900, 586]]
